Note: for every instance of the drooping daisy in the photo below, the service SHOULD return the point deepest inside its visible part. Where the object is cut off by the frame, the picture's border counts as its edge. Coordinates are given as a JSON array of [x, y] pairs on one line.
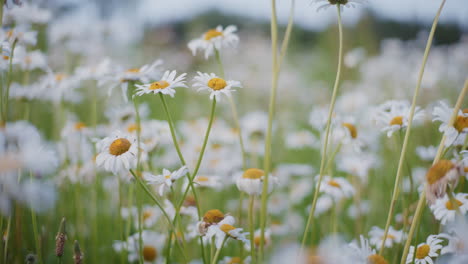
[[165, 85], [215, 39], [393, 116], [117, 152], [337, 187], [251, 181], [441, 174], [166, 179], [444, 210], [328, 3], [221, 230], [213, 217], [455, 135], [393, 236], [216, 85], [425, 252]]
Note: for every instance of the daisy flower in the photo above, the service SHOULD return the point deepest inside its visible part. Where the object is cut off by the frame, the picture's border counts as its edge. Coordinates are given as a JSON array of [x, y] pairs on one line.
[[376, 236], [393, 116], [166, 179], [441, 174], [213, 217], [327, 3], [215, 85], [165, 85], [235, 260], [425, 252], [337, 187], [214, 39], [426, 153], [251, 181], [455, 135], [220, 231], [301, 139], [364, 253], [257, 237], [117, 152], [444, 210], [208, 182], [152, 248]]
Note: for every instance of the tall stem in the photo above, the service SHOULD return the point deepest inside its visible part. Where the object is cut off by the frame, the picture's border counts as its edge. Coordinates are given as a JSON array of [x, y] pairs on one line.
[[9, 80], [252, 228], [327, 130], [216, 256], [396, 188], [422, 198]]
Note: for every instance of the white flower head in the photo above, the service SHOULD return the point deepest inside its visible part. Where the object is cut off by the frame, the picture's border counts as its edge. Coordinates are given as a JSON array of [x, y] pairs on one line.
[[117, 152], [216, 85], [455, 135], [394, 115], [251, 181], [444, 210], [166, 179], [165, 85], [393, 237], [214, 39], [337, 187], [425, 251]]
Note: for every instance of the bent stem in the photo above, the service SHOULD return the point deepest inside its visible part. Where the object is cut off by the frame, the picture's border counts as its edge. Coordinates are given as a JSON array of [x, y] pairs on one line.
[[396, 188], [422, 198], [327, 130]]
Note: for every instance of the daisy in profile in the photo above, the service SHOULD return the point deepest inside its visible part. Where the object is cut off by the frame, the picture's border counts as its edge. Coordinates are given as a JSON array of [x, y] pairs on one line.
[[166, 179], [444, 210], [327, 3], [455, 135], [393, 237], [337, 187], [439, 176], [425, 252], [393, 116], [251, 181], [215, 84], [223, 230], [165, 85], [117, 152], [212, 39]]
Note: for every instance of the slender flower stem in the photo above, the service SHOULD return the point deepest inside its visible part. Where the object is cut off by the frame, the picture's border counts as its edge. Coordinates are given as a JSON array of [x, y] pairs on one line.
[[396, 188], [327, 130], [140, 236], [216, 256], [422, 198], [37, 239], [205, 141], [9, 80], [252, 228]]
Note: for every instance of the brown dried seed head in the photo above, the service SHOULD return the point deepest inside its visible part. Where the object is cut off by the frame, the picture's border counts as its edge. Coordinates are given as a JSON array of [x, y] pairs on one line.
[[60, 239], [78, 257]]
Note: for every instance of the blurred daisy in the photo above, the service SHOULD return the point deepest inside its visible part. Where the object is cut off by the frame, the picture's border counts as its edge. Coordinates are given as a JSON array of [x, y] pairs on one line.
[[166, 179], [251, 181], [426, 153], [327, 3], [364, 253], [117, 152], [441, 174], [165, 85], [208, 182], [30, 60], [376, 236], [336, 187], [223, 230], [257, 237], [213, 217], [152, 247], [215, 85], [214, 39], [444, 210], [235, 260], [454, 134], [301, 139], [393, 116], [425, 252]]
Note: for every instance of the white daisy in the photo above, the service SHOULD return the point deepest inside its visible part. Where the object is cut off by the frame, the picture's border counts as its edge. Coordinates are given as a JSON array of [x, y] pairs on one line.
[[336, 187], [376, 236], [425, 252], [215, 39], [117, 152], [251, 181], [439, 176], [301, 139], [215, 85], [444, 210], [223, 229], [327, 3], [152, 248], [393, 116], [364, 253], [165, 85], [455, 135], [426, 153], [166, 179]]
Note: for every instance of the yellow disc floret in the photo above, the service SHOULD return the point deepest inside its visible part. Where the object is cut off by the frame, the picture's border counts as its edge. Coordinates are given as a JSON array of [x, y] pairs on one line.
[[150, 253], [212, 33], [213, 216], [159, 85], [397, 120], [119, 146], [253, 174], [461, 123], [226, 228], [352, 129], [438, 171], [217, 84], [423, 251], [450, 206], [376, 259]]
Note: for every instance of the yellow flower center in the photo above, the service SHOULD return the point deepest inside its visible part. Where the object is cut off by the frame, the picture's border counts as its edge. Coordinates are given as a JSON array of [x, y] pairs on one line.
[[217, 84], [133, 128], [79, 126], [334, 183], [226, 228], [461, 123], [397, 120], [59, 77], [449, 204], [253, 174], [150, 253], [5, 57], [159, 85], [212, 33], [376, 259], [352, 129], [235, 260], [438, 171], [134, 70], [119, 146], [213, 216], [9, 33], [388, 236], [147, 214], [257, 240], [423, 251], [202, 179]]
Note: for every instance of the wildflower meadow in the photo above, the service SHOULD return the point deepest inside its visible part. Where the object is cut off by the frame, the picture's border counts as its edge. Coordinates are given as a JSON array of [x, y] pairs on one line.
[[231, 140]]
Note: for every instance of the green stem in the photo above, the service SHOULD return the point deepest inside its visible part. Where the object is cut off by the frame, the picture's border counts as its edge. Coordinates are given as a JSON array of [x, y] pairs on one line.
[[252, 229], [327, 130], [7, 238], [140, 235], [396, 189], [218, 251], [9, 80], [35, 231], [422, 198]]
